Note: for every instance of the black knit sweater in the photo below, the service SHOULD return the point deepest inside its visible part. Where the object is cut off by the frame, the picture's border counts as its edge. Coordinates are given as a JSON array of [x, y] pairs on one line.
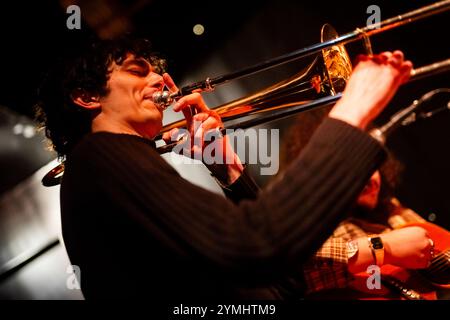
[[137, 229]]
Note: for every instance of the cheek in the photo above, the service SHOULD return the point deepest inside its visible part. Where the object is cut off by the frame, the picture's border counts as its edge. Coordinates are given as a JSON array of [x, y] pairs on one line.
[[124, 86], [116, 89], [368, 198], [367, 202], [377, 194]]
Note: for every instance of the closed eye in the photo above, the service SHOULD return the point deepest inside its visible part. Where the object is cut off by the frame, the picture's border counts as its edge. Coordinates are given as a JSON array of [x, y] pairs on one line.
[[137, 72], [137, 67]]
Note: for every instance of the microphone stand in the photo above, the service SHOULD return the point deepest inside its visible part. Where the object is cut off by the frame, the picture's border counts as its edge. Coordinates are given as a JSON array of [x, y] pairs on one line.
[[409, 115]]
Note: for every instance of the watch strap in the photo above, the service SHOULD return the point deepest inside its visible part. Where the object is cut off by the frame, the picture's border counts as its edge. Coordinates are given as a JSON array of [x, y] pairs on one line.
[[377, 248]]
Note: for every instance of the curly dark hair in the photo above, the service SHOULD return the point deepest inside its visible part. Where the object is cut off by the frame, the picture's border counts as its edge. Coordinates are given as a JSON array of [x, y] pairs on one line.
[[65, 122]]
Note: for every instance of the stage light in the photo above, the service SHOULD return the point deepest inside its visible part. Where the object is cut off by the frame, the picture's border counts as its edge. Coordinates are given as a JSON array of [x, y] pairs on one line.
[[198, 29]]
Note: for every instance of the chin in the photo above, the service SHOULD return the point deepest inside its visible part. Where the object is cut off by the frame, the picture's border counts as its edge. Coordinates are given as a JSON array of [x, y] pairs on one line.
[[152, 131], [149, 128]]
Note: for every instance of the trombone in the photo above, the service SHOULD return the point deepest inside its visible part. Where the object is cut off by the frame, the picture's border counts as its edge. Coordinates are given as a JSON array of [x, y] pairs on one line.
[[320, 84]]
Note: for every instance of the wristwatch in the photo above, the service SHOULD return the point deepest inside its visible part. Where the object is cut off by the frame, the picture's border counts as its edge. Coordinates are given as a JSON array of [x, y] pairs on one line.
[[377, 247]]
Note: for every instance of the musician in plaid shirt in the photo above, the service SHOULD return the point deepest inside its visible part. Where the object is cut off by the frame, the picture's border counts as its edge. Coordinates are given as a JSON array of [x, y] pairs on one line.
[[347, 251]]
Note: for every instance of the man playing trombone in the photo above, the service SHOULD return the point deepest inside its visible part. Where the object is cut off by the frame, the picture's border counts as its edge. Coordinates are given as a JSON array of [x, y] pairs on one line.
[[137, 229]]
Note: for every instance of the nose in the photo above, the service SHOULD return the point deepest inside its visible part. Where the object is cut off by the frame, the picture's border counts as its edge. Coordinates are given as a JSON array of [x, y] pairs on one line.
[[155, 81]]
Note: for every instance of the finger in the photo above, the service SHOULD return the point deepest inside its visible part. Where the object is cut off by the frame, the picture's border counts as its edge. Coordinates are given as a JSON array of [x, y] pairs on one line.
[[168, 81], [211, 124], [203, 116], [385, 56], [171, 135], [187, 112], [360, 58], [197, 141], [215, 114], [399, 55], [197, 121], [378, 58], [395, 60], [197, 152], [195, 100], [208, 132], [166, 137], [198, 136], [200, 117], [202, 123], [406, 66], [406, 70]]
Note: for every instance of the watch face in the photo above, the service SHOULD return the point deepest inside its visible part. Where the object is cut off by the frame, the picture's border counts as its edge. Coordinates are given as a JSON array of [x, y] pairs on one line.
[[377, 243]]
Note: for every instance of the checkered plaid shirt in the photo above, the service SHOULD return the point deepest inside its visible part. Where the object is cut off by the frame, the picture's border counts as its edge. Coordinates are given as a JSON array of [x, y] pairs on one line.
[[327, 269]]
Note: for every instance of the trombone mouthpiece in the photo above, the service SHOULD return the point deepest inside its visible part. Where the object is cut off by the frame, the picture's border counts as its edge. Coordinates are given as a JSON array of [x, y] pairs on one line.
[[164, 98]]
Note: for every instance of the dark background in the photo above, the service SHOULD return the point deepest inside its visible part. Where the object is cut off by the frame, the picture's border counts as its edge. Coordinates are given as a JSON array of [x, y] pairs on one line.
[[237, 34]]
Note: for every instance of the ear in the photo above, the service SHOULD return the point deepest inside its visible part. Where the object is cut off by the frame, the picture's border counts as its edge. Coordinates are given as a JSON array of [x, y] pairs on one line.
[[84, 99]]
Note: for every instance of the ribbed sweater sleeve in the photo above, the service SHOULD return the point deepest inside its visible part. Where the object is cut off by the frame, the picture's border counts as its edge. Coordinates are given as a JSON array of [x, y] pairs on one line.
[[245, 187], [254, 240]]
